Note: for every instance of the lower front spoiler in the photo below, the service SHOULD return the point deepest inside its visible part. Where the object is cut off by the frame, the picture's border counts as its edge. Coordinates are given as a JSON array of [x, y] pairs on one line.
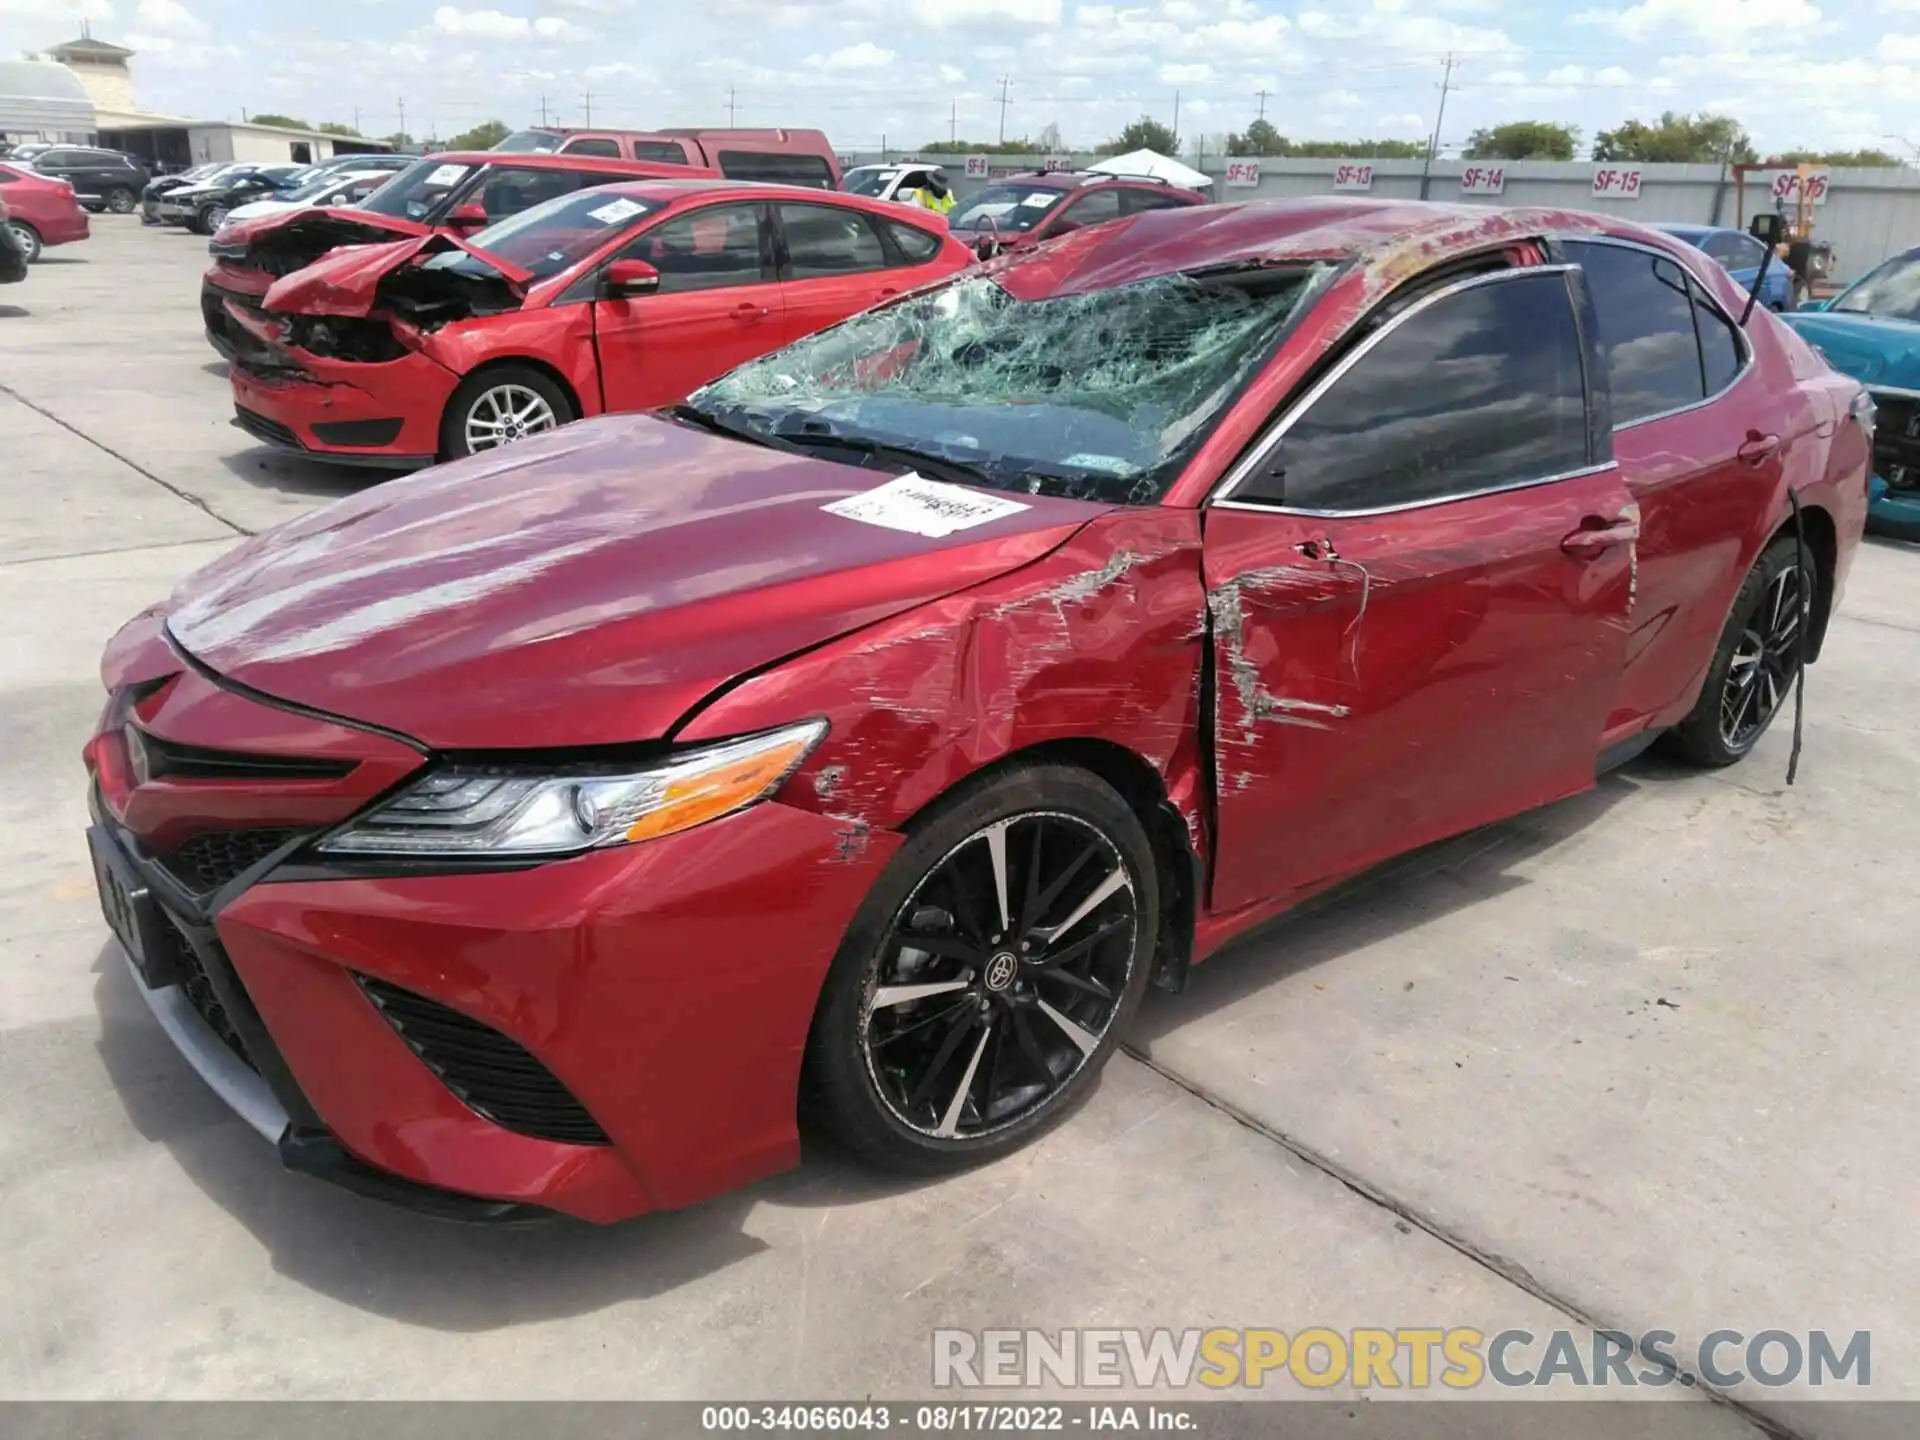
[[281, 437]]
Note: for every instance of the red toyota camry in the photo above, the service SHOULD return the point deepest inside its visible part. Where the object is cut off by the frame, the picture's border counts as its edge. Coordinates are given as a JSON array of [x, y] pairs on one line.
[[861, 737], [624, 297]]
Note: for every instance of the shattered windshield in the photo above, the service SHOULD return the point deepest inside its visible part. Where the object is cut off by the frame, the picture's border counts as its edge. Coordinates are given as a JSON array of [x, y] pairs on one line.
[[1100, 396], [558, 233], [415, 191], [1892, 290], [1007, 207]]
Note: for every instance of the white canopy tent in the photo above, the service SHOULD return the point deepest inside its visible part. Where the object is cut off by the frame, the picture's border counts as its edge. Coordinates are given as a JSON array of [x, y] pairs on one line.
[[1152, 165]]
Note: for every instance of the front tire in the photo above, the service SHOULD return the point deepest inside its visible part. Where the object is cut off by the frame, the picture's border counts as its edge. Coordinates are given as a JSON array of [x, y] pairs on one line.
[[990, 973], [501, 404], [1755, 665], [209, 219], [28, 239], [121, 200]]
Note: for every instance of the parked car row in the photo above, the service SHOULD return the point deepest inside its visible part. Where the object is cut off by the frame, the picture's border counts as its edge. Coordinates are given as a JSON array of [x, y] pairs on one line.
[[41, 210], [858, 739], [205, 198]]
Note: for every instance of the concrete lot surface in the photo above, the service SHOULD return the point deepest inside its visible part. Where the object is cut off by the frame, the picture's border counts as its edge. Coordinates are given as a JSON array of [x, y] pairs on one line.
[[1642, 1060]]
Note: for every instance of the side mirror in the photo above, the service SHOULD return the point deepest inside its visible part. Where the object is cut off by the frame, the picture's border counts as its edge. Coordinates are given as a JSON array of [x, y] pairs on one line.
[[628, 278], [1814, 304], [1768, 228], [470, 216]]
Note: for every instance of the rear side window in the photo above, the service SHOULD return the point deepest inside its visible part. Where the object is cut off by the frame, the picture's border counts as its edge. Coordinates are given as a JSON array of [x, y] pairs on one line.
[[914, 243], [1093, 208], [507, 191], [1734, 250], [1645, 311], [1480, 390], [1134, 201], [824, 240], [592, 146], [782, 169], [1720, 352], [663, 152], [707, 250]]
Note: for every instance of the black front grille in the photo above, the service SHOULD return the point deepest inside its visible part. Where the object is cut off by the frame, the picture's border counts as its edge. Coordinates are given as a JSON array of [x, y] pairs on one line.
[[199, 989], [1896, 440], [170, 760], [206, 862], [261, 428], [493, 1075]]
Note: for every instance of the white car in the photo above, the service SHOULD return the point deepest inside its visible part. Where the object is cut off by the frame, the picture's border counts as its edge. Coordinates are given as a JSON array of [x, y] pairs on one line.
[[888, 182], [340, 187]]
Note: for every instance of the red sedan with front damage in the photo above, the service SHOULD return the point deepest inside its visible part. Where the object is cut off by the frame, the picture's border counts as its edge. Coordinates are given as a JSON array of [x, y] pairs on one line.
[[41, 210], [625, 297], [862, 737], [454, 193]]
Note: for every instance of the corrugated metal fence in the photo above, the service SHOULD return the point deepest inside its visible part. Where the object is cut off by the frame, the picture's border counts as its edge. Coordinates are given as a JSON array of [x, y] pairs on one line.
[[1867, 215]]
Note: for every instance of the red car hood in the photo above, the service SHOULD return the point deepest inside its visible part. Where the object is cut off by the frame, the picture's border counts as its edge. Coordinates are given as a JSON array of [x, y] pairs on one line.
[[345, 281], [584, 587], [352, 226]]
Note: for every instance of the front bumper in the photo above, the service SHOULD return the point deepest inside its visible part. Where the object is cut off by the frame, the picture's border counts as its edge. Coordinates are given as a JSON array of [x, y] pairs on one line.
[[1895, 488], [386, 415], [664, 991]]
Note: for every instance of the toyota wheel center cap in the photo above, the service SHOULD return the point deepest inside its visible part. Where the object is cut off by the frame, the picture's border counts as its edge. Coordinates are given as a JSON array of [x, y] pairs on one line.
[[1001, 969]]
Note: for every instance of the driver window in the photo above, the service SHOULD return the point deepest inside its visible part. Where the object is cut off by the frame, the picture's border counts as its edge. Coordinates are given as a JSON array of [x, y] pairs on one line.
[[1091, 209], [719, 246], [1481, 390]]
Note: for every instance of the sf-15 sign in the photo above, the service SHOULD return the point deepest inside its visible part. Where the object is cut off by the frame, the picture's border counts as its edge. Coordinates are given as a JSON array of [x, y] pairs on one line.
[[1616, 183]]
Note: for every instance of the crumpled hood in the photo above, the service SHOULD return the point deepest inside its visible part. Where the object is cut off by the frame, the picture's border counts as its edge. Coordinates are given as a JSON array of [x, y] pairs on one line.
[[323, 229], [346, 281], [584, 587], [1874, 349]]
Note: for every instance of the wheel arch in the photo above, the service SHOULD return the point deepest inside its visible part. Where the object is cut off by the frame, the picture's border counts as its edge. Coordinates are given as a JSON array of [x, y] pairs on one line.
[[501, 362], [1823, 549]]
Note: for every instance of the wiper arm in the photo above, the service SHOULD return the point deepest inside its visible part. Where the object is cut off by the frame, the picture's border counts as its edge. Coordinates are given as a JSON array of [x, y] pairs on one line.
[[693, 415], [957, 471]]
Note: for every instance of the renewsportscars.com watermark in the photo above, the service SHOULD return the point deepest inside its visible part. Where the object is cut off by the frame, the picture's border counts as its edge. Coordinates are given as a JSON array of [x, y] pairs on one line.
[[1407, 1357]]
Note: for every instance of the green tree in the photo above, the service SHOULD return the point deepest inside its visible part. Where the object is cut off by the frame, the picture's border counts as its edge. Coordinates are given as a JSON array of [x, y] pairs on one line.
[[399, 139], [285, 121], [334, 127], [1146, 133], [1523, 140], [483, 136], [1261, 139], [1862, 158], [1675, 138]]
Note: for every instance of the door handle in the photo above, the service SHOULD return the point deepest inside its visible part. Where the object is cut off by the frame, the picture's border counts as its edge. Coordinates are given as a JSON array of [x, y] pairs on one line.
[[746, 312], [1596, 536], [1758, 448]]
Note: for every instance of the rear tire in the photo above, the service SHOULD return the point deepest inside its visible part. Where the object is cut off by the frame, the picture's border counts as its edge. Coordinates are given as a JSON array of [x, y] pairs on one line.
[[1755, 665], [121, 200], [1007, 1027], [28, 238], [208, 219], [499, 405]]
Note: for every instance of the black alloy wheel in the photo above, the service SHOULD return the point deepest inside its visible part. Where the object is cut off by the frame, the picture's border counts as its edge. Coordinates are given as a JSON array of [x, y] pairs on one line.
[[121, 200], [991, 973], [1756, 664]]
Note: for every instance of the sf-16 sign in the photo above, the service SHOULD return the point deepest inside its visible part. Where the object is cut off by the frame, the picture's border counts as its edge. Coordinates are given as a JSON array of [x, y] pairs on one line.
[[1786, 186]]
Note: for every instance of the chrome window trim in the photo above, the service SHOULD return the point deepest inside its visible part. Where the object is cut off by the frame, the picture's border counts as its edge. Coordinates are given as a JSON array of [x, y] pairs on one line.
[[1896, 391], [1451, 499], [1262, 447], [1746, 345]]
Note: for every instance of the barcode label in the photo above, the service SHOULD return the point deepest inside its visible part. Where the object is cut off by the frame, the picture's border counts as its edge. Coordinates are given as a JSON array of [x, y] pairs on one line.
[[921, 506]]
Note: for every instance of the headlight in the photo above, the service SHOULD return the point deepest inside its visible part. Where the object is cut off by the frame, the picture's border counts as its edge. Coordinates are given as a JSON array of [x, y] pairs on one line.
[[497, 812]]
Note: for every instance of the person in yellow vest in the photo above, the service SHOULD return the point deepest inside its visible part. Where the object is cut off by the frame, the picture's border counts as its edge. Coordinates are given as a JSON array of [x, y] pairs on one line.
[[932, 193]]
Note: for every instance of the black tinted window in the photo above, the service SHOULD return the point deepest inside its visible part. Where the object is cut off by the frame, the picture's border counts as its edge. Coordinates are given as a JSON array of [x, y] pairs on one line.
[[507, 191], [822, 240], [1479, 390], [780, 169], [706, 250], [914, 243], [1646, 329], [1093, 209], [1137, 200], [608, 148], [1719, 345], [664, 152]]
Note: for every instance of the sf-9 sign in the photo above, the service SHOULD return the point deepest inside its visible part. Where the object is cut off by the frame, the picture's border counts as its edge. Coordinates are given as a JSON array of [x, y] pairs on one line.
[[1617, 184]]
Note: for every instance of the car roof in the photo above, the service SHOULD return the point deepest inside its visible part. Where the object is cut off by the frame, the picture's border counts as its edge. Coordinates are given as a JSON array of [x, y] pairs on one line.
[[1387, 239], [1694, 232], [538, 160], [667, 190]]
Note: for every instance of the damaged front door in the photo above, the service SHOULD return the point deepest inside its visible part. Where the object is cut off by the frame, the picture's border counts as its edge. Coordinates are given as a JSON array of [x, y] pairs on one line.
[[1419, 586]]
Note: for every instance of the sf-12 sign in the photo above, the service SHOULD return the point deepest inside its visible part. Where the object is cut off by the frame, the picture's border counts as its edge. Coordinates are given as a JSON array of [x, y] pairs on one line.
[[1616, 184], [977, 167], [1243, 174], [1353, 177], [1786, 186], [1483, 180]]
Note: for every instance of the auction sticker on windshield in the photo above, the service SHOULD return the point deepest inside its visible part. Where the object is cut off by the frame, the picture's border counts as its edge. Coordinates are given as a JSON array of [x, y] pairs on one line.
[[921, 506], [447, 175], [614, 211]]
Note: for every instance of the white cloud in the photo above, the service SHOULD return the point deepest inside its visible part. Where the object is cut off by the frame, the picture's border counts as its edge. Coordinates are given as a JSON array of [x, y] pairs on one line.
[[952, 74], [1900, 47], [498, 25], [864, 56], [1196, 74], [1612, 75], [167, 17], [1662, 20], [945, 14]]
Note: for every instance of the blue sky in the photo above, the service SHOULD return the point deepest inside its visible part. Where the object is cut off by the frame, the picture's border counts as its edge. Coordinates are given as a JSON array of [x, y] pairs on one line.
[[1795, 72]]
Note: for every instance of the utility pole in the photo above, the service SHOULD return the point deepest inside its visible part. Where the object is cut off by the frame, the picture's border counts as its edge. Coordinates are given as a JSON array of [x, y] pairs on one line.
[[1433, 145], [356, 118], [402, 102], [588, 98], [731, 106], [543, 110], [1176, 116], [953, 122], [1263, 94], [1005, 81]]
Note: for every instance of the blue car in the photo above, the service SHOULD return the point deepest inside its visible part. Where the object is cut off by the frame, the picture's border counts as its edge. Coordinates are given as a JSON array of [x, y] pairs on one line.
[[1871, 331], [1739, 255]]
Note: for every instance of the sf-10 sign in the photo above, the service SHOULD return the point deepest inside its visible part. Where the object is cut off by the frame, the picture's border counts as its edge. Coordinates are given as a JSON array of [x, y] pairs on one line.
[[977, 167], [1243, 174], [1483, 180], [1617, 184], [1353, 177], [1786, 186]]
